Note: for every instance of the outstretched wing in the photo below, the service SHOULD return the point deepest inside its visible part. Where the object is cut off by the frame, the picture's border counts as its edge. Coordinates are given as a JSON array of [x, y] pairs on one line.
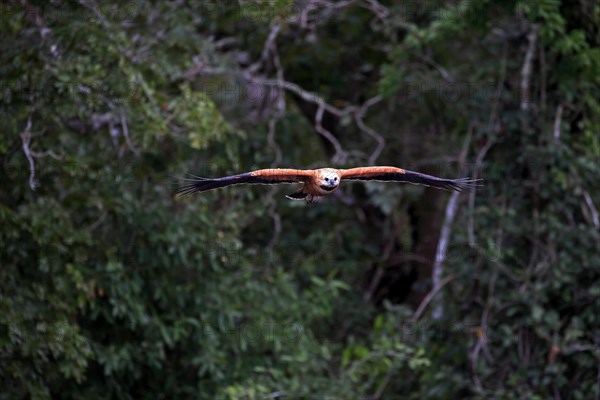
[[261, 176], [393, 174]]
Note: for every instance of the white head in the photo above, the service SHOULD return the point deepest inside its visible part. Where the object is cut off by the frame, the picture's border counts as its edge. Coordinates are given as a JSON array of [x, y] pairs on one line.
[[328, 179]]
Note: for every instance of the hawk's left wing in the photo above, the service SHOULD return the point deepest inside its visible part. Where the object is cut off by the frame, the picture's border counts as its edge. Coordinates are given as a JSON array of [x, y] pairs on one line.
[[393, 174], [261, 176]]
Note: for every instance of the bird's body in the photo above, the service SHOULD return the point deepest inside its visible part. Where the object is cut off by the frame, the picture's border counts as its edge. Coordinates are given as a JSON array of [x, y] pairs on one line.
[[317, 183]]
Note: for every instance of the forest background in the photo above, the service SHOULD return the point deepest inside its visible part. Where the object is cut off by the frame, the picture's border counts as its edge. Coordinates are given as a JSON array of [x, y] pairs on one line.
[[111, 288]]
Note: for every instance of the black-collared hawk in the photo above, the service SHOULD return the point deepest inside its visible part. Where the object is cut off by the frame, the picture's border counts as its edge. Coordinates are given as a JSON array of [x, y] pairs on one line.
[[317, 183]]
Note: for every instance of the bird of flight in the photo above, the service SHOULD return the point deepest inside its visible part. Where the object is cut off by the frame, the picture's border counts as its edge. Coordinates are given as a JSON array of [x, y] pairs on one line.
[[317, 183]]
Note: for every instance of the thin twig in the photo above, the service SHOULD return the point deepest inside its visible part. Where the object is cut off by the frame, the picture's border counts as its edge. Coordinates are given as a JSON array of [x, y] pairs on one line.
[[496, 261], [386, 381], [443, 72], [126, 134], [380, 269], [592, 207], [281, 104], [478, 163], [268, 48], [271, 195], [93, 7], [598, 382], [276, 221], [431, 295], [358, 117], [481, 340], [340, 155], [47, 153], [271, 48], [473, 363], [273, 144], [543, 83], [99, 221]]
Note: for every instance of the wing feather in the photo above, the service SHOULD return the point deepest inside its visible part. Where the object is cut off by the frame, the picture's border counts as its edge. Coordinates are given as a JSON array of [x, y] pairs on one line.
[[393, 174], [260, 177]]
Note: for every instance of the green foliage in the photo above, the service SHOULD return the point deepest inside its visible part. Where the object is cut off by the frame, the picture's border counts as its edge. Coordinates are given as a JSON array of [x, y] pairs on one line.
[[109, 287]]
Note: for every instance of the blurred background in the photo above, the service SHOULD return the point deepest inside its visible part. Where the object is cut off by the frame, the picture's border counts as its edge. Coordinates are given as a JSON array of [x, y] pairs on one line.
[[111, 288]]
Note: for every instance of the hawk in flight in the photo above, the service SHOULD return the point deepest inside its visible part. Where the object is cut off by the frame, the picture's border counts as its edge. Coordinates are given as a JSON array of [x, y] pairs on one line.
[[324, 181]]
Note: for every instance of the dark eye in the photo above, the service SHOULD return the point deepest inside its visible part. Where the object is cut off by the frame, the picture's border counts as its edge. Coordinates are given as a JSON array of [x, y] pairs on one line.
[[335, 179], [326, 179]]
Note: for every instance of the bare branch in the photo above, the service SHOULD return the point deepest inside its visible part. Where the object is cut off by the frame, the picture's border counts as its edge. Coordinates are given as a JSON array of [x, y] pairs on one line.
[[324, 9], [442, 248], [26, 138], [315, 98], [268, 48], [376, 8], [557, 121], [527, 69], [93, 7], [358, 117], [340, 154]]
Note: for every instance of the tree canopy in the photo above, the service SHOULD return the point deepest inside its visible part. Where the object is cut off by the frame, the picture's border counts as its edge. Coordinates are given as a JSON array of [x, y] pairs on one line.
[[112, 288]]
